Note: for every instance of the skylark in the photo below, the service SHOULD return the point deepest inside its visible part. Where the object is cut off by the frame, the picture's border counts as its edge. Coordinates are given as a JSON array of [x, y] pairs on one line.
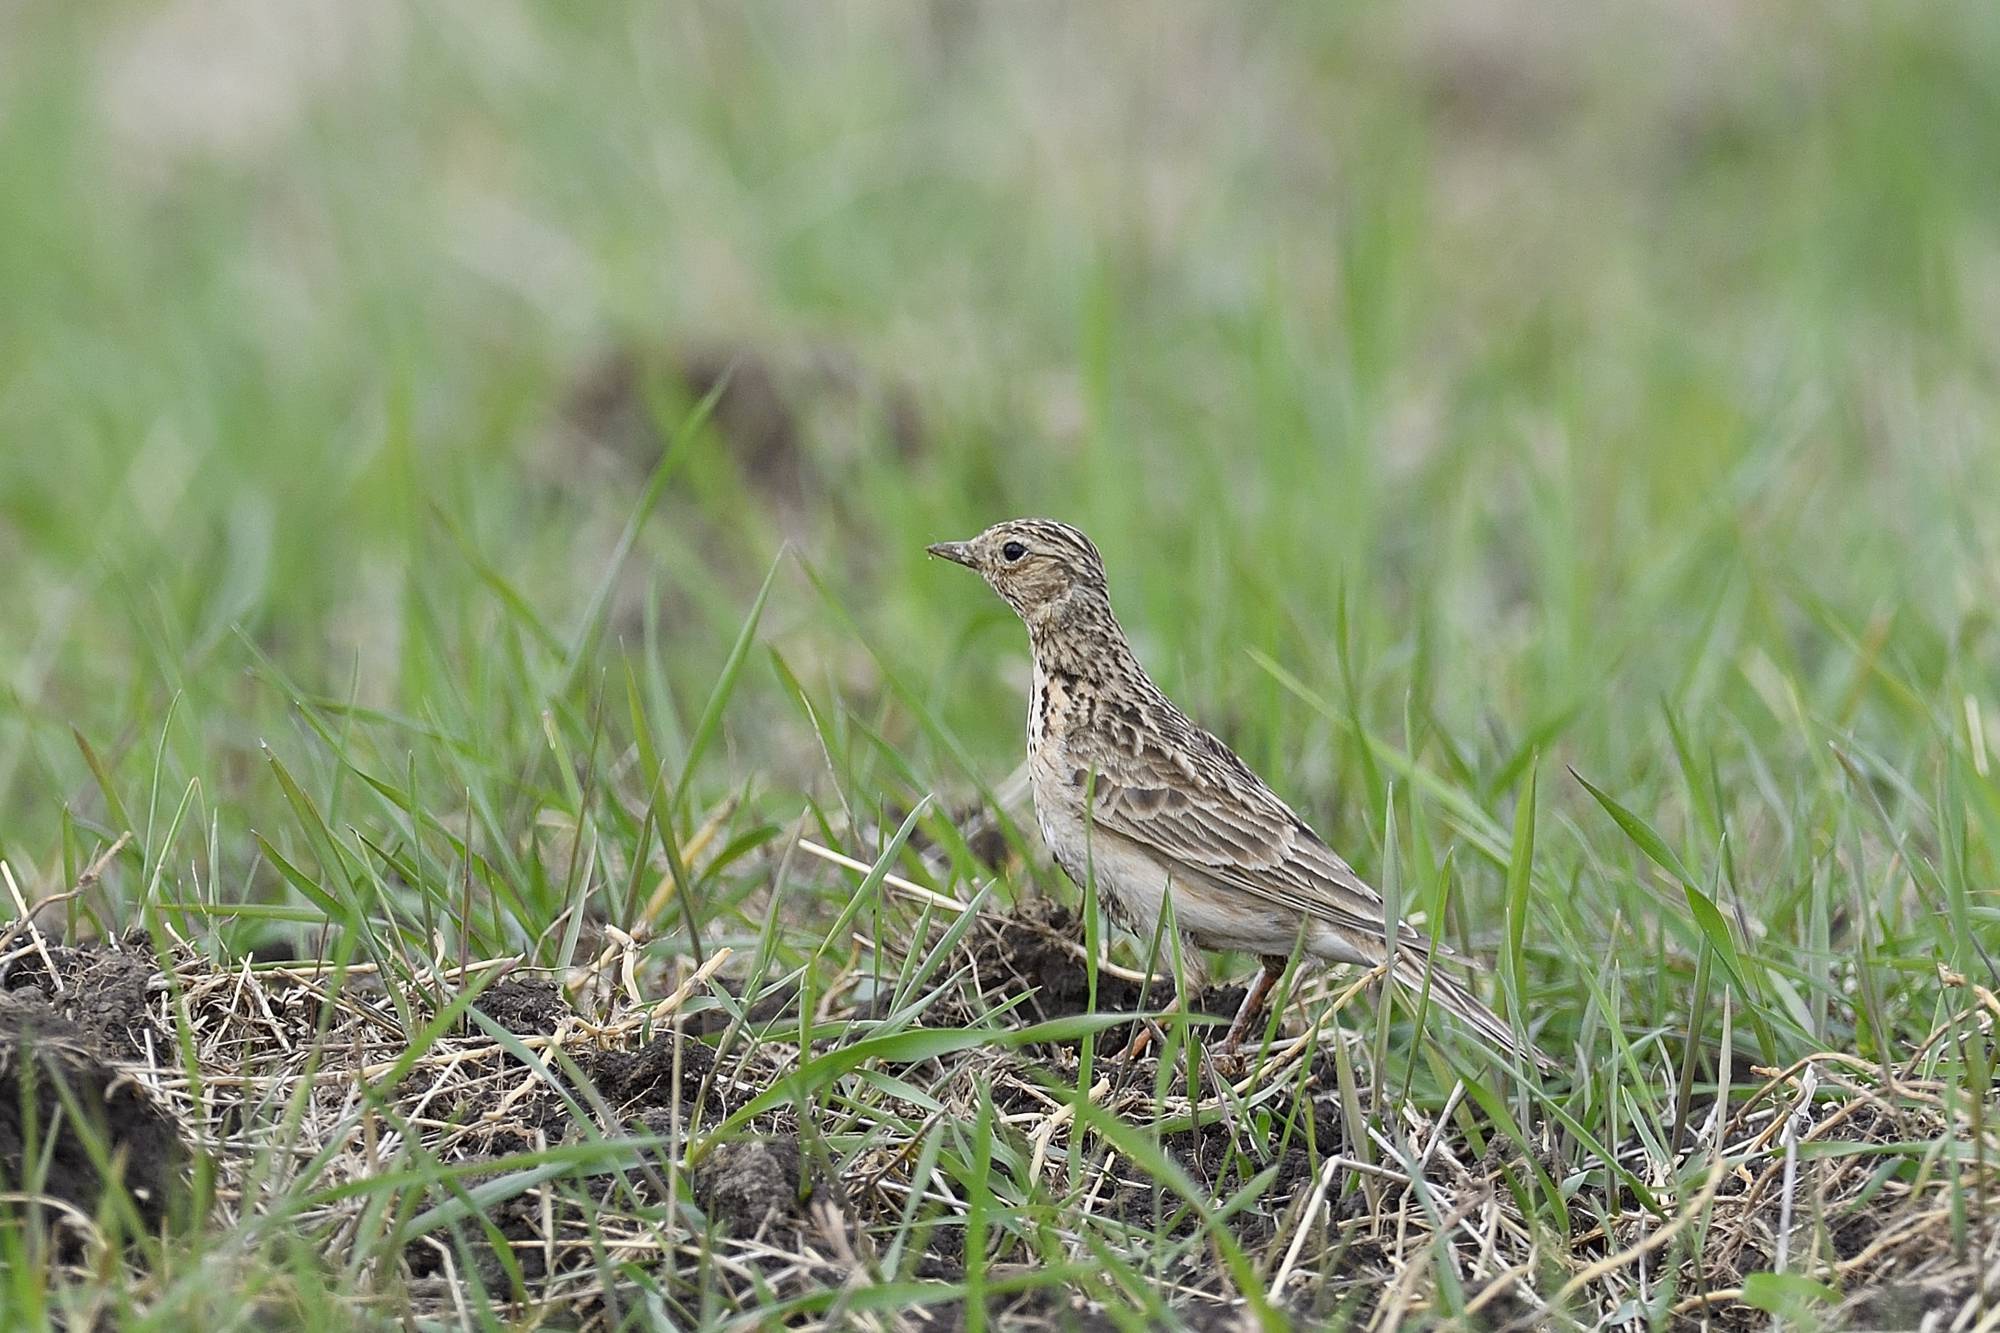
[[1128, 789]]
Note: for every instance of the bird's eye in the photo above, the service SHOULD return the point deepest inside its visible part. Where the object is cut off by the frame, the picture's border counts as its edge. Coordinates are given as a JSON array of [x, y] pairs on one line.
[[1013, 551]]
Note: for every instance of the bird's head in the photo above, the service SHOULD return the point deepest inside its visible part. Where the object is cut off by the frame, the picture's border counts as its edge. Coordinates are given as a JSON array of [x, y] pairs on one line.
[[1046, 571]]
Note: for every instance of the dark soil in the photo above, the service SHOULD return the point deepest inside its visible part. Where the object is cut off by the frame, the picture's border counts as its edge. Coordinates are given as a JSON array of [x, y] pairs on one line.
[[746, 1184], [755, 412], [52, 1071], [1026, 951], [525, 1006], [639, 1086], [102, 989], [634, 1082], [519, 1222], [766, 400], [73, 1019], [1222, 1162], [1058, 1309]]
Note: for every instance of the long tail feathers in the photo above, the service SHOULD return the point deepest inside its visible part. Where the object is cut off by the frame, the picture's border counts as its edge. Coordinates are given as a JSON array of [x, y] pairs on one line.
[[1449, 994]]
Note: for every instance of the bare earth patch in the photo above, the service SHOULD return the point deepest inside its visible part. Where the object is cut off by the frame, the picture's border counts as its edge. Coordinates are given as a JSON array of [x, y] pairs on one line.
[[306, 1094]]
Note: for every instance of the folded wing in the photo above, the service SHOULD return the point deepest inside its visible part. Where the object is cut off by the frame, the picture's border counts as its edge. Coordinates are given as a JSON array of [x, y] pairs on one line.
[[1198, 807]]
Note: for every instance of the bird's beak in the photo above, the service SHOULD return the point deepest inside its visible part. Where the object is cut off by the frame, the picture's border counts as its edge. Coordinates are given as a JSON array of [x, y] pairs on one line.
[[959, 553]]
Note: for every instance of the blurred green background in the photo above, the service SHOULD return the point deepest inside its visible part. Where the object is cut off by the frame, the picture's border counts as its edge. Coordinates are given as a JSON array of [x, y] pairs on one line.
[[1610, 384]]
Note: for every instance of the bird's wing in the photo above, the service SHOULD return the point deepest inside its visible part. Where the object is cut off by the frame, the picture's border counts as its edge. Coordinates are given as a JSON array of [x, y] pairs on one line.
[[1185, 797], [1166, 785]]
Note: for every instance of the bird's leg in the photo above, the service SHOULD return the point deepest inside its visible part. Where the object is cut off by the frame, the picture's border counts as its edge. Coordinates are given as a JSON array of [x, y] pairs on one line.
[[1253, 1001], [1147, 1029]]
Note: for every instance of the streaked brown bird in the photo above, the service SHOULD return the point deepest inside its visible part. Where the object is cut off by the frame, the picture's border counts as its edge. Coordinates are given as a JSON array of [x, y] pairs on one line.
[[1129, 790]]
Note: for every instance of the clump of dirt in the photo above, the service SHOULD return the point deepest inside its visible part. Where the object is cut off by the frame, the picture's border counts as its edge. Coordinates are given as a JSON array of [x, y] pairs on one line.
[[611, 403], [640, 1085], [1035, 948], [536, 1120], [57, 1079], [102, 989], [519, 1222], [754, 411], [1222, 1161], [525, 1006], [786, 413], [636, 1081], [747, 1184], [1028, 949]]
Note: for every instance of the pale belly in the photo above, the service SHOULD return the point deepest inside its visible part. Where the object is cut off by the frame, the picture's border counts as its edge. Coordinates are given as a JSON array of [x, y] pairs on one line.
[[1131, 885], [1134, 886]]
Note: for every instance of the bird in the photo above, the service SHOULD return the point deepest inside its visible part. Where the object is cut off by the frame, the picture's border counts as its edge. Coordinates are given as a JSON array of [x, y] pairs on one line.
[[1131, 792]]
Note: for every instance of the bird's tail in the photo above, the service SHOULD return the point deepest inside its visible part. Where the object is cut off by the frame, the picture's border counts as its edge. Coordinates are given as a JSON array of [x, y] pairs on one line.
[[1415, 972]]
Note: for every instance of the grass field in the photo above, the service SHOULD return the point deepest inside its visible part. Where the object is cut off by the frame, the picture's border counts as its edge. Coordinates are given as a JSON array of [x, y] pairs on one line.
[[464, 477]]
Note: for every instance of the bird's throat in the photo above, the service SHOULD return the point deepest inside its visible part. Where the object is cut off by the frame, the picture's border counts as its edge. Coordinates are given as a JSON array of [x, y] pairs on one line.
[[1079, 639]]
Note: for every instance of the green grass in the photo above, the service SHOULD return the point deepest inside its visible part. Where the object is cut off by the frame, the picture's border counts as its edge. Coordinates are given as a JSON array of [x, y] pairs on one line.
[[1560, 454]]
